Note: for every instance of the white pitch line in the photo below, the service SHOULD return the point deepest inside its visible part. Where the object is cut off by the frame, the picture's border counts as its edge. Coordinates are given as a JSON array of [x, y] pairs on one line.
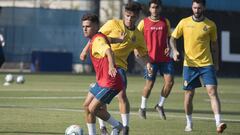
[[42, 97], [151, 114], [115, 112], [226, 101]]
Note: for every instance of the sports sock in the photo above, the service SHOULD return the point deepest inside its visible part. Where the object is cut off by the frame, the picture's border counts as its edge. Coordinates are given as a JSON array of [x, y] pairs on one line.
[[91, 128], [161, 101], [112, 121], [125, 119], [217, 119], [189, 119], [101, 123], [144, 102]]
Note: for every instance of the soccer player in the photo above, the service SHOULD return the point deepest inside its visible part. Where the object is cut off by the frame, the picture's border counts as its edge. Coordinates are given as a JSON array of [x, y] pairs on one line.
[[133, 39], [200, 60], [156, 30], [108, 80]]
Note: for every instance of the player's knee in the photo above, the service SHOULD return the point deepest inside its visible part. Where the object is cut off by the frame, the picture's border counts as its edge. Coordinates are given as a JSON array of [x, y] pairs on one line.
[[169, 84], [148, 87], [189, 95], [212, 94], [122, 98], [92, 110]]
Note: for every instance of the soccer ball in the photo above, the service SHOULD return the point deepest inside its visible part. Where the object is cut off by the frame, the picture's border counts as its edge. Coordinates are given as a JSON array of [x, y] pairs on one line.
[[74, 130], [20, 79], [9, 78]]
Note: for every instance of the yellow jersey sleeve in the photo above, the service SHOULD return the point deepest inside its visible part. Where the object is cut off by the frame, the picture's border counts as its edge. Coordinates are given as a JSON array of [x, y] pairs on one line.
[[112, 28], [169, 27], [141, 44], [178, 31], [141, 26], [99, 47], [213, 32]]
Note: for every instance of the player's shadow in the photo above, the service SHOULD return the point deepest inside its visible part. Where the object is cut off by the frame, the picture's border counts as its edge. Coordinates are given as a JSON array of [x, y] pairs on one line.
[[31, 132]]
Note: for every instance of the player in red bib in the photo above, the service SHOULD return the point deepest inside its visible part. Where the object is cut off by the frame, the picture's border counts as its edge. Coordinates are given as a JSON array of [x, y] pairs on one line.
[[108, 80], [156, 30]]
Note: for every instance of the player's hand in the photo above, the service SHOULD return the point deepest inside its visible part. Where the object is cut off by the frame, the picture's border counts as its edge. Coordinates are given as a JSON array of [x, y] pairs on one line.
[[83, 56], [112, 71], [176, 55], [136, 53], [149, 69], [167, 51]]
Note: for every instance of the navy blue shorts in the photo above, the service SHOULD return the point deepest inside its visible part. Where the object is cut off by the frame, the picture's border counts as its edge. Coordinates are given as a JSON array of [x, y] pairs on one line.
[[162, 68], [192, 75], [105, 95]]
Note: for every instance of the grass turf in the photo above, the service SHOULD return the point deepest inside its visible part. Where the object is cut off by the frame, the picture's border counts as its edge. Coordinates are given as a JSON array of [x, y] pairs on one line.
[[47, 103]]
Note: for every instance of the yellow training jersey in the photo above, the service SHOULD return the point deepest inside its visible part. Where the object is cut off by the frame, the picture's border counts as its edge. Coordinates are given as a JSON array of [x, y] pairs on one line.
[[99, 47], [133, 39], [197, 37]]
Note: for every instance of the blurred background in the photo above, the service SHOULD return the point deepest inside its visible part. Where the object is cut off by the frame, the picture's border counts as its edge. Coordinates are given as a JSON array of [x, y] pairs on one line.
[[46, 35]]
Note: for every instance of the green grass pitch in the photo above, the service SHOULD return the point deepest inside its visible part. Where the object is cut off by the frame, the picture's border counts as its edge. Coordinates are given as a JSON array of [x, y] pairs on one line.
[[48, 103]]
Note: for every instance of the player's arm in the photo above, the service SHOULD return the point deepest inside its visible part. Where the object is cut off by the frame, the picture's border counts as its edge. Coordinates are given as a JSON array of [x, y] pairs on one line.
[[141, 52], [168, 49], [178, 32], [215, 54], [112, 71], [140, 26], [214, 46], [143, 60], [102, 48], [120, 39], [84, 52], [173, 45]]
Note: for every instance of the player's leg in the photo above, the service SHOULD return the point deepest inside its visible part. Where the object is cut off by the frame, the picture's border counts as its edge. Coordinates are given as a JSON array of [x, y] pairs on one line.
[[191, 81], [167, 86], [124, 108], [96, 107], [124, 105], [102, 126], [150, 79], [89, 118], [167, 71], [216, 107], [188, 107], [145, 95], [210, 81]]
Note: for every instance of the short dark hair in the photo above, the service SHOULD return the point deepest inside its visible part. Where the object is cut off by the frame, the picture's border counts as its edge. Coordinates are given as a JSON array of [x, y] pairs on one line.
[[203, 2], [135, 7], [158, 2], [91, 17]]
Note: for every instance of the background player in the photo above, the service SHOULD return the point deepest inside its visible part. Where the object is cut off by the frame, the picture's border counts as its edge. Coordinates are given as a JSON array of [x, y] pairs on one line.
[[200, 60], [156, 30]]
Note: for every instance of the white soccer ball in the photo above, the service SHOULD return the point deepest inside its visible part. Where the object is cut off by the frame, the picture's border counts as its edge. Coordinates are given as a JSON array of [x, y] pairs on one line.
[[20, 79], [74, 130], [9, 78]]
